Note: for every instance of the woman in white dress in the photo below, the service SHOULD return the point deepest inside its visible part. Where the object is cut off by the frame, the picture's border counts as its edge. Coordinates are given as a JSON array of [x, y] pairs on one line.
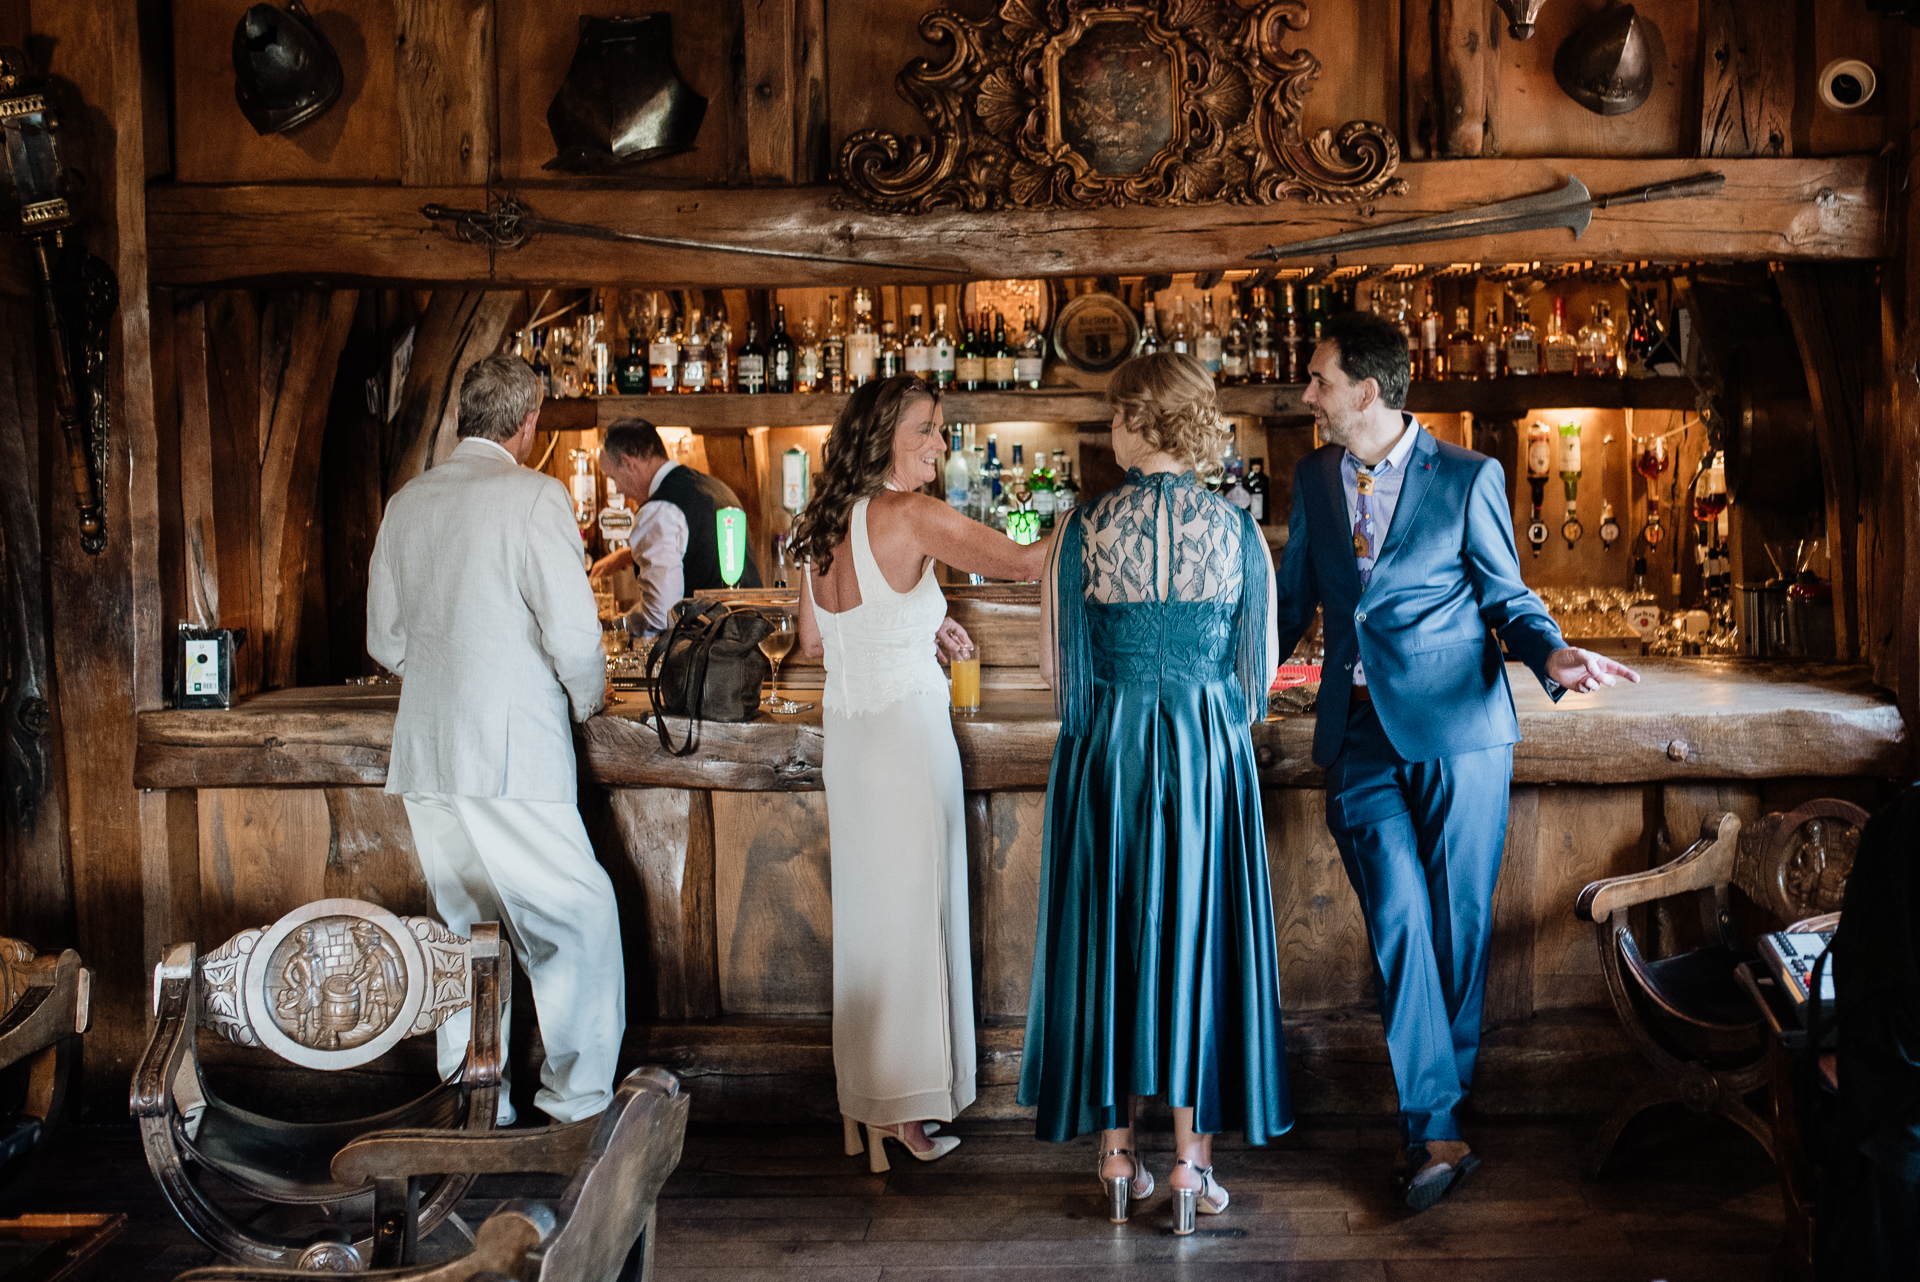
[[903, 1051]]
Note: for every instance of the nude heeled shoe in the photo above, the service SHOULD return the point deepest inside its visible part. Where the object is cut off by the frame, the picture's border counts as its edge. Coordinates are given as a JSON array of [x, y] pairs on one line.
[[1119, 1188], [1208, 1199], [850, 1134], [877, 1151]]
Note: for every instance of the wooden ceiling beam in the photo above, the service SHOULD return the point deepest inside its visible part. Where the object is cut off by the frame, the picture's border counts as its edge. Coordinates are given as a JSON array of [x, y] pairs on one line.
[[1813, 209]]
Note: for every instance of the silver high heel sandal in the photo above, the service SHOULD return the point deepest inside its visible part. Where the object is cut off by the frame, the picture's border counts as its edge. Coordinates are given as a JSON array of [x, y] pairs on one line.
[[850, 1134], [877, 1151], [1119, 1188], [1208, 1199]]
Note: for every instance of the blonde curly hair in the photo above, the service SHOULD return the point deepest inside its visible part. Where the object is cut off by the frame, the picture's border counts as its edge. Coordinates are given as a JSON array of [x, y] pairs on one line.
[[1169, 398]]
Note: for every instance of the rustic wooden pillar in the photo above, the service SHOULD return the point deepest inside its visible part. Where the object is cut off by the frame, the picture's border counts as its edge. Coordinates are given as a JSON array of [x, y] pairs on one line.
[[1746, 77], [106, 608], [445, 89], [667, 834], [458, 329], [783, 89], [1901, 349]]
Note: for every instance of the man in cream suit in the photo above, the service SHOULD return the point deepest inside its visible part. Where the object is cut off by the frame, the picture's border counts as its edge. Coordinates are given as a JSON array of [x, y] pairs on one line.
[[479, 599]]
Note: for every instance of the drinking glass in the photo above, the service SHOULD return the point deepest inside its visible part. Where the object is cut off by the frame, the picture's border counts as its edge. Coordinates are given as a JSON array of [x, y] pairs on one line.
[[776, 645], [966, 683]]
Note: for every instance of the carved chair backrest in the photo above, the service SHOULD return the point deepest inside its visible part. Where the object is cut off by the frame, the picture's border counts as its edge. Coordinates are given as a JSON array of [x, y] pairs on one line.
[[338, 982], [43, 998], [1795, 865], [611, 1200]]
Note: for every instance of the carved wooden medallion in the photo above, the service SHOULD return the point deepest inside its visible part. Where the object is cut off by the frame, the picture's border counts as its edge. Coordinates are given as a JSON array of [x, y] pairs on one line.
[[1079, 103]]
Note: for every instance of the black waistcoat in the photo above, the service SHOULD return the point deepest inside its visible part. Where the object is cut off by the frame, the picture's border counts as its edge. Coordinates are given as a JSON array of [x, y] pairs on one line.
[[700, 496]]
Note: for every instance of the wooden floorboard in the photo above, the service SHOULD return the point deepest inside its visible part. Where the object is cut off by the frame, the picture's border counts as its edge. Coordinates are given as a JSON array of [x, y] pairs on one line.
[[1688, 1200]]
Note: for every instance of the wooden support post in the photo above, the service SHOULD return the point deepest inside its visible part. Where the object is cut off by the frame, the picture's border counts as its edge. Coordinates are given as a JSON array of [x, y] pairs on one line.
[[1746, 77], [1510, 970], [459, 329], [784, 92], [106, 608], [1901, 345], [668, 836], [1461, 54], [445, 87]]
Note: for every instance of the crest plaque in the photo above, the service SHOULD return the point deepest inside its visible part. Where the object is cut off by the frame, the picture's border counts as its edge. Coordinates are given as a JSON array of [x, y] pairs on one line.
[[1068, 104]]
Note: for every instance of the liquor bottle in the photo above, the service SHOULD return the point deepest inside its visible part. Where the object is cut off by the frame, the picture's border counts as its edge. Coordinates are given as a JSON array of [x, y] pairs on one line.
[[1463, 350], [833, 350], [942, 344], [1643, 615], [542, 370], [630, 371], [891, 353], [1491, 347], [1289, 365], [1570, 470], [753, 363], [693, 357], [1208, 345], [957, 478], [1180, 339], [1258, 489], [663, 361], [807, 366], [1233, 481], [919, 357], [783, 572], [1315, 320], [782, 356], [970, 359], [1000, 358], [1432, 355], [1029, 366], [1234, 348], [1041, 486], [1610, 363], [1539, 468], [1590, 345], [1404, 322], [1261, 354], [1523, 347], [1066, 491], [1556, 350], [1149, 331], [979, 495], [581, 486], [863, 345], [720, 355]]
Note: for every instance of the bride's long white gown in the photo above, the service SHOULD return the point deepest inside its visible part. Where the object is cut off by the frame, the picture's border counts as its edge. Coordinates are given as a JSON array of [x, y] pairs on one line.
[[902, 973]]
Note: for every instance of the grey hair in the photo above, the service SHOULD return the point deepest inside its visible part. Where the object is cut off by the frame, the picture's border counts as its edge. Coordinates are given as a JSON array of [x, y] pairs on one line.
[[496, 395]]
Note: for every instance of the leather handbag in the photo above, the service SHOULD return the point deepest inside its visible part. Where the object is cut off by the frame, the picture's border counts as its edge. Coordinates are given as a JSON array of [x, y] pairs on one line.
[[707, 667]]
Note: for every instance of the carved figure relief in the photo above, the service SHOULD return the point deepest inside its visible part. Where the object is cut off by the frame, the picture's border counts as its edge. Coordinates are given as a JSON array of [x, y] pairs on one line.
[[1080, 103], [335, 983], [1814, 873]]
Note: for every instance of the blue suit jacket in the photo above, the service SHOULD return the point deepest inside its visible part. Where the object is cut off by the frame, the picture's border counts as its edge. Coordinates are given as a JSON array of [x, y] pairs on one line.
[[1447, 580]]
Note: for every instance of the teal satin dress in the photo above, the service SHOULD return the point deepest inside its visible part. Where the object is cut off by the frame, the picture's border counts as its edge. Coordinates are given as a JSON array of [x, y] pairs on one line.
[[1155, 968]]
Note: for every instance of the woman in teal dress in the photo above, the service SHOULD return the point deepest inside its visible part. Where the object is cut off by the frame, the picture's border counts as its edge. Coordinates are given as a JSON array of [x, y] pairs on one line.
[[1154, 969]]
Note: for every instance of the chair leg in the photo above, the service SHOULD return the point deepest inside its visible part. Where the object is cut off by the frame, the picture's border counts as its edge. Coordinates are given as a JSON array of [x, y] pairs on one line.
[[1735, 1110], [1642, 1099]]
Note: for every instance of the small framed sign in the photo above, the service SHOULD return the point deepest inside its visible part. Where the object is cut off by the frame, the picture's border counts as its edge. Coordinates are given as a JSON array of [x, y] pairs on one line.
[[1095, 333]]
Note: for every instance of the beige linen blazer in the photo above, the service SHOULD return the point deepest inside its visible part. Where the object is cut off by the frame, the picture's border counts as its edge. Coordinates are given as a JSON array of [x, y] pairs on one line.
[[478, 597]]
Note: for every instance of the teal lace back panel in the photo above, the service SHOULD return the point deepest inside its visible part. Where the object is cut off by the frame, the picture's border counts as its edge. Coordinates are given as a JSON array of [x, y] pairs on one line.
[[1159, 581]]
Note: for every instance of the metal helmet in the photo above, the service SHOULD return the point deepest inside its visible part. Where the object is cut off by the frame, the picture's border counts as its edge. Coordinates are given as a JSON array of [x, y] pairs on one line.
[[285, 73], [623, 99], [1607, 65]]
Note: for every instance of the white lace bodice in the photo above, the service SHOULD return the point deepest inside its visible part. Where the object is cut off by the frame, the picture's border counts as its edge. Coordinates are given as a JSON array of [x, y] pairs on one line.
[[883, 648]]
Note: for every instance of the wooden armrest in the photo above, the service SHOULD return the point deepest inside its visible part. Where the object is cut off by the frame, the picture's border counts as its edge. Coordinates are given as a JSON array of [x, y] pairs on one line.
[[1706, 864], [500, 1247], [54, 1005], [176, 1002], [554, 1150]]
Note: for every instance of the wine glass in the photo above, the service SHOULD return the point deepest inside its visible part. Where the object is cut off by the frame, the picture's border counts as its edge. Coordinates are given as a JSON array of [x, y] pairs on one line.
[[776, 645]]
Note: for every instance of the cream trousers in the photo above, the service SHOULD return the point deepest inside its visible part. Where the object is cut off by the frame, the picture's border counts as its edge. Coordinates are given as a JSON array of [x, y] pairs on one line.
[[528, 866]]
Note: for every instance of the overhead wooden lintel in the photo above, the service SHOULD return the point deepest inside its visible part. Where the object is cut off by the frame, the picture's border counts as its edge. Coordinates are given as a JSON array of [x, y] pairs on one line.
[[1811, 209]]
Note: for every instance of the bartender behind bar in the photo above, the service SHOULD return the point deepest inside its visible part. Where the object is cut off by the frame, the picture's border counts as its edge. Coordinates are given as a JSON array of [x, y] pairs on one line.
[[675, 549]]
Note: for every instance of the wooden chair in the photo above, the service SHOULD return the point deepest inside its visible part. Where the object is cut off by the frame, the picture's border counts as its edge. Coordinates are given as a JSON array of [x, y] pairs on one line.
[[44, 1007], [1688, 1013], [602, 1228], [330, 986]]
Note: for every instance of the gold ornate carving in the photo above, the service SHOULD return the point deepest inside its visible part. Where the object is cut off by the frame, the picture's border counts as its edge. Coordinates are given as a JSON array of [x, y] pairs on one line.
[[1080, 103]]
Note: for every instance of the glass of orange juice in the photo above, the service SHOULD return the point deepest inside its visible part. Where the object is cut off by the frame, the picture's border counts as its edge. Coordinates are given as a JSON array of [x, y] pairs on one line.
[[966, 684]]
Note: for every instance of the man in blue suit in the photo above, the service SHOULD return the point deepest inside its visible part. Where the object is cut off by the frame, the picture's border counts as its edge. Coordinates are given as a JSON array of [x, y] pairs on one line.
[[1407, 543]]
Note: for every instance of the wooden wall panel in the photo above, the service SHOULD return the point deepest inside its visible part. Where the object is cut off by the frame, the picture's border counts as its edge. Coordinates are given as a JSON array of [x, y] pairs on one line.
[[1006, 908], [1321, 934], [444, 89], [1584, 834], [664, 875], [263, 853], [538, 41], [772, 880], [1510, 966], [1746, 77], [370, 852], [355, 139], [1831, 29]]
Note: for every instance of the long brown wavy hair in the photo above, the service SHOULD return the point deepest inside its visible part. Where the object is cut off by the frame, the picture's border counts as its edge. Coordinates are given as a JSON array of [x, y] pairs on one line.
[[856, 462]]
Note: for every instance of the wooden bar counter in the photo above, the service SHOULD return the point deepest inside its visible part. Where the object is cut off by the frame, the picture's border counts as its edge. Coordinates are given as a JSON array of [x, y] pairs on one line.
[[720, 861]]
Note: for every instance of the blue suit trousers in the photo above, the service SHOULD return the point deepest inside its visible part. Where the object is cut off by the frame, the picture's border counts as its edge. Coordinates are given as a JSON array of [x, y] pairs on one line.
[[1422, 841]]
